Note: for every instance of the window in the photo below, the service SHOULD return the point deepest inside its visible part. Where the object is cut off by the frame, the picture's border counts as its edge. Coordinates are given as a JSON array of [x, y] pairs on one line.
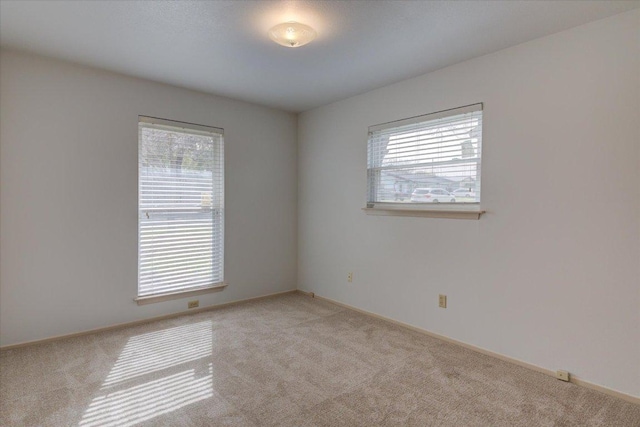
[[426, 162], [180, 208]]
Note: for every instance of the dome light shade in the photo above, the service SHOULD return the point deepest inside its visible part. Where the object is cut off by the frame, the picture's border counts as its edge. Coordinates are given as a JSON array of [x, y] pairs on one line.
[[292, 34]]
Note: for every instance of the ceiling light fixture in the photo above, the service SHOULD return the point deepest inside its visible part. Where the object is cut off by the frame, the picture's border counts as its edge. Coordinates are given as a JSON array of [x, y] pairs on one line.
[[292, 34]]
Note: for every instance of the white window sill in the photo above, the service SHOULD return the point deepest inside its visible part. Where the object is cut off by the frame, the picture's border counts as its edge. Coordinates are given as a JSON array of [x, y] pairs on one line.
[[181, 294], [474, 213]]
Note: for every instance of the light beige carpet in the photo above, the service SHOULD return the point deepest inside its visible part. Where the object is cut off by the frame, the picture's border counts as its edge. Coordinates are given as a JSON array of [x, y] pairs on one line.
[[285, 361]]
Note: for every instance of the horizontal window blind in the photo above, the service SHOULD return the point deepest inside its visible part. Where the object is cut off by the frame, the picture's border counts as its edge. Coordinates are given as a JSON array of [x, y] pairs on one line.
[[180, 207], [435, 158]]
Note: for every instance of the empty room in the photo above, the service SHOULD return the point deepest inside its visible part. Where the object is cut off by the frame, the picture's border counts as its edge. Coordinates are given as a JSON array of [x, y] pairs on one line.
[[319, 213]]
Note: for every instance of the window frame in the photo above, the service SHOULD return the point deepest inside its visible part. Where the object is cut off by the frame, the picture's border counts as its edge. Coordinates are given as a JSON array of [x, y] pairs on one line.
[[190, 291], [467, 210]]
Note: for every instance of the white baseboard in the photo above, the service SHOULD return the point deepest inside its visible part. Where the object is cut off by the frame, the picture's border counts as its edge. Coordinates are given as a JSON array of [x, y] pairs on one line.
[[578, 381], [141, 321]]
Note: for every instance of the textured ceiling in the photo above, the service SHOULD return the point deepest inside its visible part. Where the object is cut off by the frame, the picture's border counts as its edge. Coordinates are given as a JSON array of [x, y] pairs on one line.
[[222, 47]]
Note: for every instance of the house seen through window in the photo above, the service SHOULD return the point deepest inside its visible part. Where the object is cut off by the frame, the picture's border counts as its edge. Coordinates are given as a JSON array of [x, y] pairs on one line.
[[426, 160]]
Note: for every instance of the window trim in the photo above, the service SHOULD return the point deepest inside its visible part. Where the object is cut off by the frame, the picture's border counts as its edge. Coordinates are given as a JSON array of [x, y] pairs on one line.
[[177, 124], [216, 287], [426, 212], [478, 106], [213, 287], [442, 210]]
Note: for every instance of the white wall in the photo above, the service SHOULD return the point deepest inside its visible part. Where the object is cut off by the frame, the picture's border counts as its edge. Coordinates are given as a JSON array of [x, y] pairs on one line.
[[551, 274], [68, 195]]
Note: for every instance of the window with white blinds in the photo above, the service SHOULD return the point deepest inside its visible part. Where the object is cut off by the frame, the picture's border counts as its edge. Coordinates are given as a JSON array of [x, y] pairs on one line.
[[435, 158], [180, 207]]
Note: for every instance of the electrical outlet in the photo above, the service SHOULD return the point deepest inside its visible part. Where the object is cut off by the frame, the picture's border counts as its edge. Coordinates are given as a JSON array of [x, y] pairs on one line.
[[562, 375], [442, 301], [350, 277], [193, 304]]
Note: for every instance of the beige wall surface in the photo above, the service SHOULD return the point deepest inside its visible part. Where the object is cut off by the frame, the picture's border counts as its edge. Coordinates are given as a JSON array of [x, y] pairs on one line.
[[551, 274], [68, 195]]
